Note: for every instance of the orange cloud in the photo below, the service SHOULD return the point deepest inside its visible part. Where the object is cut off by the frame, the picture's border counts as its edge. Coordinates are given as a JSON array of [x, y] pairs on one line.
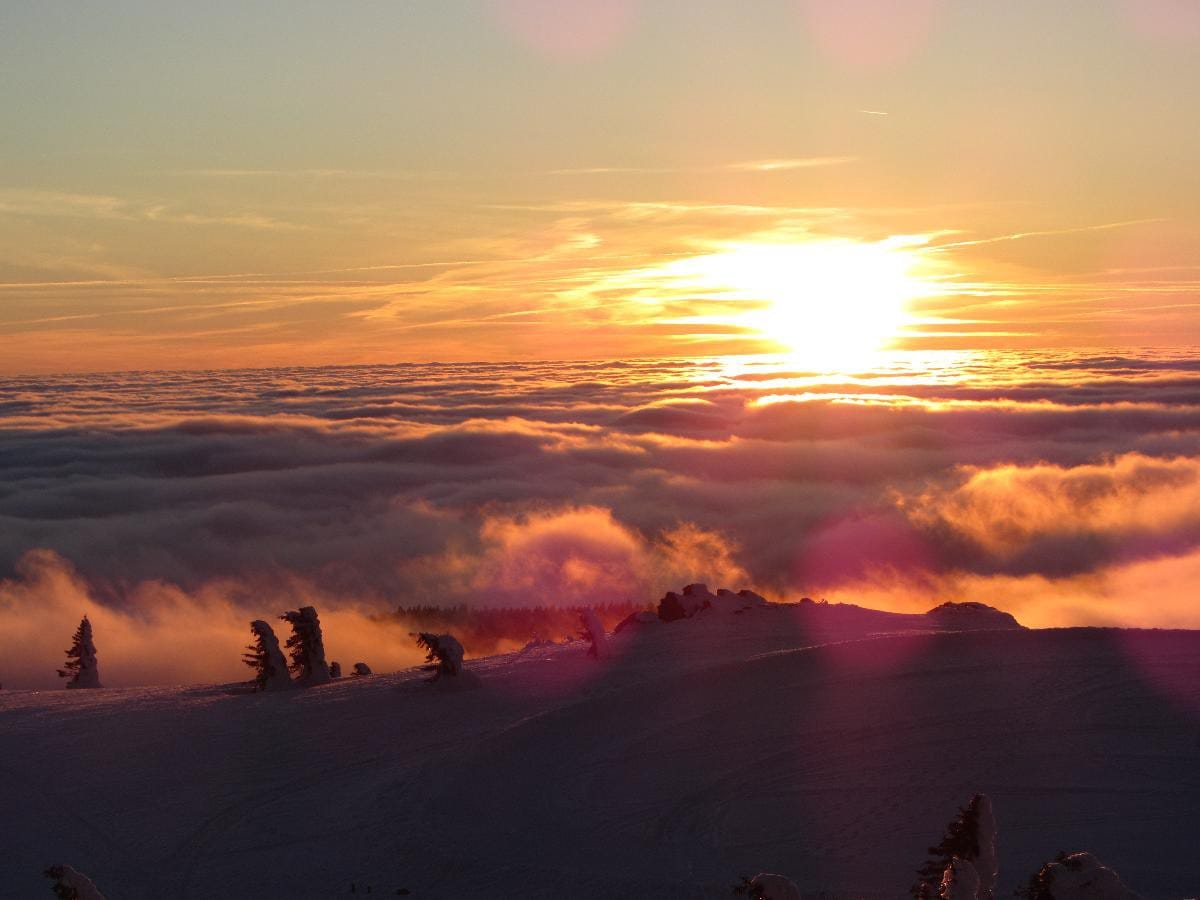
[[1152, 593], [574, 556], [1006, 508]]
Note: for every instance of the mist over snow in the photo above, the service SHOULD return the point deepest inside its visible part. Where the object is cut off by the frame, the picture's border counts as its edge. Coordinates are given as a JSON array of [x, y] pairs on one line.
[[1062, 488]]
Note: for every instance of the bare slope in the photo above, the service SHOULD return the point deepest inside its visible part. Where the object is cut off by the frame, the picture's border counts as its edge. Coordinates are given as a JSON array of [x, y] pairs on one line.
[[706, 749]]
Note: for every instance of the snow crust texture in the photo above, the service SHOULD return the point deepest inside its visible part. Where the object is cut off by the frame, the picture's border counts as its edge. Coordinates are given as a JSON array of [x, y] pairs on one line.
[[780, 740]]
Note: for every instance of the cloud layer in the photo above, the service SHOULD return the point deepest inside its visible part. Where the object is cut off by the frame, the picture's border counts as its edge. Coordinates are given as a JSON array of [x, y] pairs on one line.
[[1036, 483]]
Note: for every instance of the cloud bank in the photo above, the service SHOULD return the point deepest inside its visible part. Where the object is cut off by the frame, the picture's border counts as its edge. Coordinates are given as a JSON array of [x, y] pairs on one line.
[[1062, 487]]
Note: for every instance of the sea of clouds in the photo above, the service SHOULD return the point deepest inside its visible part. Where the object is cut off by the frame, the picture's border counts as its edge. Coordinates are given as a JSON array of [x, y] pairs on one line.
[[174, 507]]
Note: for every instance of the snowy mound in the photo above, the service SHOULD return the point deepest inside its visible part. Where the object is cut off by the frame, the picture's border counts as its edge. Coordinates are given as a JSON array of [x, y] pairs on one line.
[[698, 598], [971, 617]]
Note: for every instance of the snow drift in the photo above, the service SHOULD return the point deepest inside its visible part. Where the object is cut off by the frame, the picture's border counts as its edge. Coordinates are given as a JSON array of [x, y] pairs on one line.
[[700, 751]]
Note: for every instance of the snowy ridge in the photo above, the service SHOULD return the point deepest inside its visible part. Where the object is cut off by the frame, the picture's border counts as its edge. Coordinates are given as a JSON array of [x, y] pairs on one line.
[[671, 769]]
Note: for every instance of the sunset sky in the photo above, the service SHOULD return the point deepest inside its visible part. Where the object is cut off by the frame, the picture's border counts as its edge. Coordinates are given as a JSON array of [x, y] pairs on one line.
[[213, 185]]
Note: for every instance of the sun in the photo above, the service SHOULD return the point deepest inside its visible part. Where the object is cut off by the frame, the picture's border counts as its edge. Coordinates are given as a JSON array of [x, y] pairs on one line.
[[831, 302]]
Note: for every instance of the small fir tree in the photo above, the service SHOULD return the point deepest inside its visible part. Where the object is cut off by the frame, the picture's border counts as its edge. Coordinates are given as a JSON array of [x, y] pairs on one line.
[[768, 886], [266, 659], [443, 653], [749, 889], [961, 841], [1076, 876], [593, 632], [1038, 887], [62, 890], [72, 885], [306, 647], [81, 666], [960, 881]]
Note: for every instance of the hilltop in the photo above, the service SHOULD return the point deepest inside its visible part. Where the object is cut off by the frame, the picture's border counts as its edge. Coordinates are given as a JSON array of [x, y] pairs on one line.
[[827, 742]]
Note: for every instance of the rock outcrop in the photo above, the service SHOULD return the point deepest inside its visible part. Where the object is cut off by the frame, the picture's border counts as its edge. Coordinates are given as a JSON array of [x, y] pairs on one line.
[[697, 597], [971, 617]]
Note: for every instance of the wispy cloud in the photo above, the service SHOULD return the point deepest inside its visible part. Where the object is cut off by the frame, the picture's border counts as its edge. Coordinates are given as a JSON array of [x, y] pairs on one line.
[[1052, 232], [619, 170], [51, 204], [757, 165], [316, 173], [783, 165]]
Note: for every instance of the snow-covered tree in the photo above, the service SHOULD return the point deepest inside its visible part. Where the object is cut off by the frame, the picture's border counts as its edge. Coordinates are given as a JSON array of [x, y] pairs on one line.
[[970, 837], [335, 669], [306, 647], [1077, 876], [960, 881], [266, 659], [694, 598], [443, 652], [593, 631], [81, 666], [766, 886], [71, 885], [987, 864], [361, 669]]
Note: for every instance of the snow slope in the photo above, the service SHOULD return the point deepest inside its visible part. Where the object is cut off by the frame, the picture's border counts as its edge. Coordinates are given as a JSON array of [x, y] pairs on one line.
[[699, 752]]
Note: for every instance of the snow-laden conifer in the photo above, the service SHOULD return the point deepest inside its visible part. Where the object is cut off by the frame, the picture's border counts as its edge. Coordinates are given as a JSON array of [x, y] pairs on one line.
[[335, 669], [361, 669], [266, 659], [1077, 876], [443, 653], [306, 647], [593, 631], [971, 837], [986, 863], [81, 666], [768, 886], [72, 885], [960, 881]]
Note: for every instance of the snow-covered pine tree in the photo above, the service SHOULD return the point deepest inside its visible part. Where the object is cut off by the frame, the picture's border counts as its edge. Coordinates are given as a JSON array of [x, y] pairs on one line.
[[335, 669], [306, 647], [361, 670], [72, 885], [960, 881], [266, 659], [593, 631], [970, 836], [987, 864], [768, 886], [1076, 876], [443, 653], [81, 666]]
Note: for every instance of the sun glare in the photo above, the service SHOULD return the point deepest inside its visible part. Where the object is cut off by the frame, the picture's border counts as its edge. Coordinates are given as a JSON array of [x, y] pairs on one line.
[[832, 303]]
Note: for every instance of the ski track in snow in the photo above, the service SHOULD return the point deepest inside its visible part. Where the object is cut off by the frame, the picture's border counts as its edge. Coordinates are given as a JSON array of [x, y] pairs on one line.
[[704, 750]]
